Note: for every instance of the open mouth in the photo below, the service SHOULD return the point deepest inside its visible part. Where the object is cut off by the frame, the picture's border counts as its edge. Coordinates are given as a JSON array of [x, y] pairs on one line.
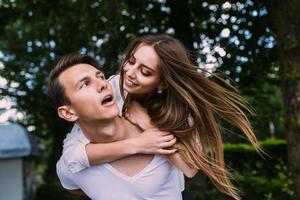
[[107, 99]]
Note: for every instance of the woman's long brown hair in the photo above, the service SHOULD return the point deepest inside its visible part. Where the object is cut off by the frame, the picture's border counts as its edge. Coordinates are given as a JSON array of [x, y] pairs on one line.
[[189, 107]]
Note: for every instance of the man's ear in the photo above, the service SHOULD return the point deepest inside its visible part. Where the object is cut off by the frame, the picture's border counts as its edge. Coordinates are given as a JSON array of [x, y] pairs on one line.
[[67, 113]]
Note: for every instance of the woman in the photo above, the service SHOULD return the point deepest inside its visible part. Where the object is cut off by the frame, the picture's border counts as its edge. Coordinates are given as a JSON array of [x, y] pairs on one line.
[[158, 73]]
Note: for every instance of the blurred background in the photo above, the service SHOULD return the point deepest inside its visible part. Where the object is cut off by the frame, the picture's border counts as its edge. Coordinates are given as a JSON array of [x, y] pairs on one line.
[[254, 43]]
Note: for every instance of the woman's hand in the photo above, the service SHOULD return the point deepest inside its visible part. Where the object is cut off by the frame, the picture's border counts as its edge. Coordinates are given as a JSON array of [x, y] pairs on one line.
[[153, 141], [138, 115]]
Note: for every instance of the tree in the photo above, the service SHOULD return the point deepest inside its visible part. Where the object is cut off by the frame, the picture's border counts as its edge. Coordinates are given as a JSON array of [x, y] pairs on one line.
[[286, 25]]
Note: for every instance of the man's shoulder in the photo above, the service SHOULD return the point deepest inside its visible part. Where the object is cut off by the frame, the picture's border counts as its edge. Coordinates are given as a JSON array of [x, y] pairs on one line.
[[76, 135]]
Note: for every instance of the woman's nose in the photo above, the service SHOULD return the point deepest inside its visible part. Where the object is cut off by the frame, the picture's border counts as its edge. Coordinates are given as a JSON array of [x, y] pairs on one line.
[[130, 71]]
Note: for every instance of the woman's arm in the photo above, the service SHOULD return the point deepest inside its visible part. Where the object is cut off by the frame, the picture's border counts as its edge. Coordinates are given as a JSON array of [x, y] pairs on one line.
[[178, 162], [78, 154], [151, 141]]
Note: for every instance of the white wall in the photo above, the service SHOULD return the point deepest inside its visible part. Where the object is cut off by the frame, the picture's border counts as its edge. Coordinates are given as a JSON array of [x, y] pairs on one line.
[[11, 182]]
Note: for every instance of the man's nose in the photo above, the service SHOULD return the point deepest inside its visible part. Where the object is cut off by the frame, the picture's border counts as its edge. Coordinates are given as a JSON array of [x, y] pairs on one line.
[[101, 85]]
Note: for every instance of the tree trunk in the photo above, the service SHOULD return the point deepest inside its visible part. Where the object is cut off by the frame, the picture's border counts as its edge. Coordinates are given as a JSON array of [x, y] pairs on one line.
[[180, 19], [285, 19], [112, 13]]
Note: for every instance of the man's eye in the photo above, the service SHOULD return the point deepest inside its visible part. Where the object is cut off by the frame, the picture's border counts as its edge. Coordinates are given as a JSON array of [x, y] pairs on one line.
[[84, 84], [101, 76]]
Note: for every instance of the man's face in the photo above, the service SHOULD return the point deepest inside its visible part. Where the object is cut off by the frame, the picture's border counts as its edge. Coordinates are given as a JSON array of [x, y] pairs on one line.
[[91, 96]]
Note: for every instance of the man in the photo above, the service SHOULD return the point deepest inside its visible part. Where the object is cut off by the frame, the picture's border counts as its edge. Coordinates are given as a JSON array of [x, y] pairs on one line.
[[81, 94]]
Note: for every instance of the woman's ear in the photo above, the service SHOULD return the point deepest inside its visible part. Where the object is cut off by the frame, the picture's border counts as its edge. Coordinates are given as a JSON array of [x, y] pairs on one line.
[[67, 113], [162, 86]]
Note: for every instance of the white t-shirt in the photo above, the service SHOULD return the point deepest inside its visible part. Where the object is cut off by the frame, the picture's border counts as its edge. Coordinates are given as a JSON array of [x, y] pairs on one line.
[[74, 154], [159, 180]]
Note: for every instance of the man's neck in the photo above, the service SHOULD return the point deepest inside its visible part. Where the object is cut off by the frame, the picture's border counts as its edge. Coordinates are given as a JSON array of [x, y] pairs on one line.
[[104, 131]]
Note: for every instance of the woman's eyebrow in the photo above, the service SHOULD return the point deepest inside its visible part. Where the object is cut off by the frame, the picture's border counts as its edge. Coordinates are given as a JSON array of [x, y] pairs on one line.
[[143, 65], [149, 68]]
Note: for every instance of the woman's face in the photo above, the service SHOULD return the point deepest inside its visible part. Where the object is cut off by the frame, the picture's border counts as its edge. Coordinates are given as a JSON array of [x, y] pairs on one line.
[[141, 71]]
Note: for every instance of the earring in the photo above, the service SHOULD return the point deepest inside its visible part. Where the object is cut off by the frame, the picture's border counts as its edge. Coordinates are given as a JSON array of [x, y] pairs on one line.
[[159, 91]]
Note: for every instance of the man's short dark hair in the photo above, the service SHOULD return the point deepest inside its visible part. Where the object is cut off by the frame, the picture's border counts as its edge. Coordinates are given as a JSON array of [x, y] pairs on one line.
[[55, 91]]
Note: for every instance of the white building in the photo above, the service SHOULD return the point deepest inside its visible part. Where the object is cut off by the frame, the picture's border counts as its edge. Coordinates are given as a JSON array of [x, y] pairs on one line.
[[14, 146]]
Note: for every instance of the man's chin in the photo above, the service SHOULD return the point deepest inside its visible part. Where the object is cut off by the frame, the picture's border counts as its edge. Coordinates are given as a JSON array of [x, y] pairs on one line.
[[113, 111]]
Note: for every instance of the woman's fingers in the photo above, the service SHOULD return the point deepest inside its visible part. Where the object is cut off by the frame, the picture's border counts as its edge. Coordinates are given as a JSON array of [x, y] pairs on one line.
[[168, 138], [167, 151], [168, 143]]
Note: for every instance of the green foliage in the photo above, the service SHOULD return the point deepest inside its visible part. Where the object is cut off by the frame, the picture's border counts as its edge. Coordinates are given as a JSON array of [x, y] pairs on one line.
[[269, 110], [292, 76], [53, 191], [34, 34], [257, 178]]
